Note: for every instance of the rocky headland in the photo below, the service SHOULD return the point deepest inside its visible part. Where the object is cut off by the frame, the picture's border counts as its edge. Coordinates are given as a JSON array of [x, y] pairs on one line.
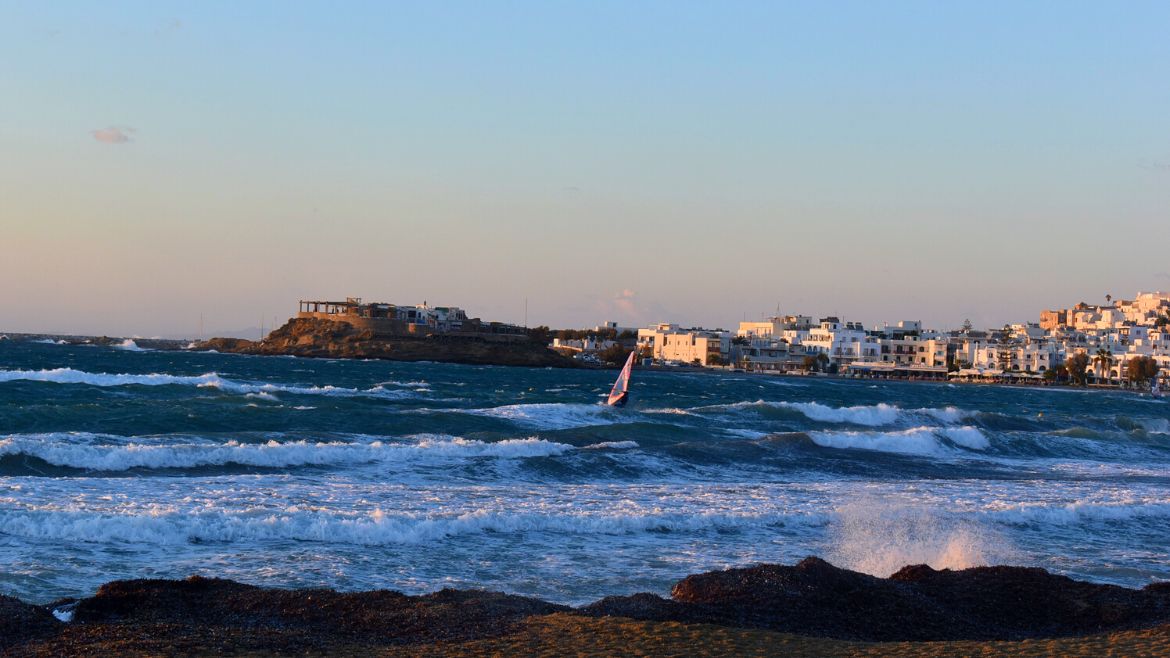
[[811, 608], [313, 337]]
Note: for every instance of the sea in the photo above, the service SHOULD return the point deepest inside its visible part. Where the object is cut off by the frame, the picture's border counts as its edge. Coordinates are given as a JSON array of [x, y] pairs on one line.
[[121, 462]]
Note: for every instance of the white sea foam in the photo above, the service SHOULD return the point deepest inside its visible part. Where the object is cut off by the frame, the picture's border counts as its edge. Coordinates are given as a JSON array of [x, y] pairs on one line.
[[551, 415], [407, 384], [94, 452], [873, 416], [946, 414], [130, 346], [915, 441], [206, 380], [1077, 513], [869, 415], [50, 341], [177, 527], [966, 436], [671, 410], [612, 445]]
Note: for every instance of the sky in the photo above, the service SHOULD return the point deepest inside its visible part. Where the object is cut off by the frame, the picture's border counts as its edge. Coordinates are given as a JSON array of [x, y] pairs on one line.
[[163, 164]]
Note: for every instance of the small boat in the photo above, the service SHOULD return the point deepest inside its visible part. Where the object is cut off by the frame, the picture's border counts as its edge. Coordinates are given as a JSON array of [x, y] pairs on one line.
[[621, 388]]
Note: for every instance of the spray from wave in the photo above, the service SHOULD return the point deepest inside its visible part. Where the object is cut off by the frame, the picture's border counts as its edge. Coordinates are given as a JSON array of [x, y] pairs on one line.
[[129, 345], [880, 536]]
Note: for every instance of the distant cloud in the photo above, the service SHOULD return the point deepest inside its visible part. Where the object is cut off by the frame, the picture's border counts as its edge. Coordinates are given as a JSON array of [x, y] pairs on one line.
[[627, 307], [1155, 165], [113, 135], [624, 301], [1162, 275]]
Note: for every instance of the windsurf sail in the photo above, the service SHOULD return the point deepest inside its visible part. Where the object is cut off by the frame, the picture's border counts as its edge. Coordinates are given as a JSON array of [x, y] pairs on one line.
[[621, 388]]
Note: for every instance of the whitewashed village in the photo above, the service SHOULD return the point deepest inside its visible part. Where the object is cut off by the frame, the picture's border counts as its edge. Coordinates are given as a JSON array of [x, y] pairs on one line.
[[1122, 343]]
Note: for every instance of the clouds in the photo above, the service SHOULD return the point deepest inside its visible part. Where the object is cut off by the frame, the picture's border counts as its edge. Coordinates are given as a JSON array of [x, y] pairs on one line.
[[113, 135], [627, 307], [624, 302]]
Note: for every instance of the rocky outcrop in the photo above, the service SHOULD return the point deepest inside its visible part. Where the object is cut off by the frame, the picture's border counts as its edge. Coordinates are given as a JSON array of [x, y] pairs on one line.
[[311, 337], [380, 617], [812, 598], [917, 603], [21, 622]]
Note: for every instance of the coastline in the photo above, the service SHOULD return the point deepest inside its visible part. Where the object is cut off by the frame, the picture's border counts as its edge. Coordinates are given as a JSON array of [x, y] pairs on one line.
[[496, 355], [811, 608]]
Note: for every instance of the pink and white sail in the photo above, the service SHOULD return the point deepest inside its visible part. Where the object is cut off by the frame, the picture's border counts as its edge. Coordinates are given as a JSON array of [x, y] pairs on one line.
[[621, 388]]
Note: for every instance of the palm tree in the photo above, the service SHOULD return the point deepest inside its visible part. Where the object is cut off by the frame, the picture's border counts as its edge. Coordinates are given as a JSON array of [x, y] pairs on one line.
[[1104, 359]]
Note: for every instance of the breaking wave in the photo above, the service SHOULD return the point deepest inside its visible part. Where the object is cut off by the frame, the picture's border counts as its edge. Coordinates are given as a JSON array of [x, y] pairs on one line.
[[873, 416], [1080, 512], [142, 454], [129, 345], [206, 380], [923, 441], [612, 445], [876, 415], [552, 415], [375, 528]]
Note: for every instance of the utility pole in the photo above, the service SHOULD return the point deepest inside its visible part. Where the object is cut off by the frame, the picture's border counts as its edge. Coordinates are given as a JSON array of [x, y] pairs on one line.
[[525, 312]]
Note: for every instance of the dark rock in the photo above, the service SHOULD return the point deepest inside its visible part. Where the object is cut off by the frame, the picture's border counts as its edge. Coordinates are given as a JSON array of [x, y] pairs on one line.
[[21, 622], [637, 606], [917, 603], [312, 337], [380, 616], [1032, 602]]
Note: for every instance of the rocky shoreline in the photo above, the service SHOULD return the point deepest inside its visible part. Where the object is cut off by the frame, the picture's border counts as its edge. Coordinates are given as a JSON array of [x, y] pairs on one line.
[[812, 599], [310, 337]]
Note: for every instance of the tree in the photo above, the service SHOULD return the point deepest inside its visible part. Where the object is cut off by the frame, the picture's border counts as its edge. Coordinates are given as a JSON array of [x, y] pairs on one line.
[[822, 362], [614, 354], [1103, 361], [1141, 370], [1056, 373], [1075, 366], [809, 363], [716, 360], [967, 326], [541, 334]]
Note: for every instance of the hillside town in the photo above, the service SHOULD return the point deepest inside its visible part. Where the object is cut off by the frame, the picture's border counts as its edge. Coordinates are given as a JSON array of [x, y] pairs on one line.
[[1124, 342]]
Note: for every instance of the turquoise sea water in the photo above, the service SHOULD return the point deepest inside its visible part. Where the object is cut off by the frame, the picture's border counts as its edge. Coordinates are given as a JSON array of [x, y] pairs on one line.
[[117, 463]]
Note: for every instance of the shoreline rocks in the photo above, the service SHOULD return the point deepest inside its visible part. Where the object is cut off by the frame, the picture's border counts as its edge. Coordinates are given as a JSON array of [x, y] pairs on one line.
[[812, 598]]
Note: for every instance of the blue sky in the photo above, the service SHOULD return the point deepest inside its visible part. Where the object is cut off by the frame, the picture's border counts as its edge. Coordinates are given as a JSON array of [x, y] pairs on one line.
[[694, 162]]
